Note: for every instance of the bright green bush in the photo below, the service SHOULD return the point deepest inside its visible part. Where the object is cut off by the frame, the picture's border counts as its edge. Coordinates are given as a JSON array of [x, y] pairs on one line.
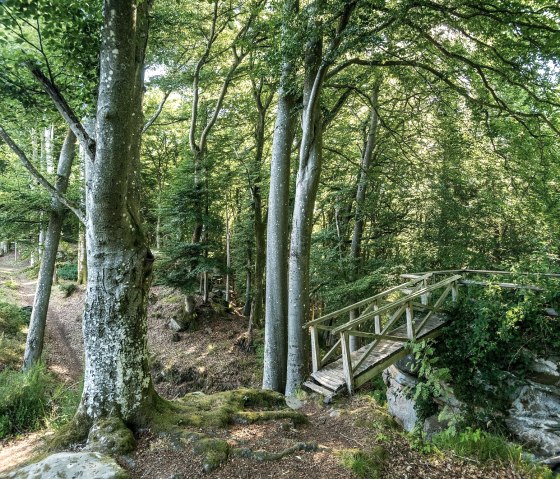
[[68, 271]]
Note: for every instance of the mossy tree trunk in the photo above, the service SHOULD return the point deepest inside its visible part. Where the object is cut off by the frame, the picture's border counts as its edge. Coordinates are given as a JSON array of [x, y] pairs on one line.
[[117, 377]]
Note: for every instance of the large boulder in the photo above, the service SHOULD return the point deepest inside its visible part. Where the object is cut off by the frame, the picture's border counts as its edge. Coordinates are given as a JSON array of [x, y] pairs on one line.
[[535, 417], [71, 465], [399, 400], [545, 371]]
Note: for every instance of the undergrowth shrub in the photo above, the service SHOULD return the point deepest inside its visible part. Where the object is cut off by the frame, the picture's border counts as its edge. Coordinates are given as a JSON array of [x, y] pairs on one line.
[[366, 464], [13, 321], [492, 337], [30, 400], [68, 271], [484, 447], [24, 399]]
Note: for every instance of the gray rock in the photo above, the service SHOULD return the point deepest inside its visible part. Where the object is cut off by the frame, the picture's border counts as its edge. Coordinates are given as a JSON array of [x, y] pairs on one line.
[[408, 365], [535, 418], [71, 465], [545, 371], [400, 405], [293, 402], [176, 325]]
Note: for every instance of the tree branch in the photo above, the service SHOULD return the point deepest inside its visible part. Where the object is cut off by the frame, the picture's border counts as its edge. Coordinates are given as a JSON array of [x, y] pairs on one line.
[[159, 109], [40, 178], [88, 144]]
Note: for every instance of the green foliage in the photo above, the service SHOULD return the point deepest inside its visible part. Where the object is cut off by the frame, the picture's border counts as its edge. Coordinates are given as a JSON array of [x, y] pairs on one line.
[[484, 446], [24, 400], [492, 337], [67, 289], [13, 321], [434, 377], [12, 318], [68, 271], [33, 399], [366, 464]]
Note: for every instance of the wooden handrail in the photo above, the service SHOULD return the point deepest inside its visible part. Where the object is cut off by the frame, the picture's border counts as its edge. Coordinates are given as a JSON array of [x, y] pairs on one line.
[[365, 301], [481, 271], [399, 302]]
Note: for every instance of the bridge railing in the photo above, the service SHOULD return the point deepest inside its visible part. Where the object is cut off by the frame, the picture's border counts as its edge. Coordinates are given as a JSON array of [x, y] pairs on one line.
[[372, 304], [382, 305]]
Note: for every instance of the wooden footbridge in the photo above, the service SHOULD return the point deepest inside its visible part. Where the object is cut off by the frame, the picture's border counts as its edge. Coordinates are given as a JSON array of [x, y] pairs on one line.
[[386, 323]]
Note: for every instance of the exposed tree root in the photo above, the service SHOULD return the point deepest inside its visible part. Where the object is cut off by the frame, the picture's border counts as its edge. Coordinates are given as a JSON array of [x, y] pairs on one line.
[[174, 418]]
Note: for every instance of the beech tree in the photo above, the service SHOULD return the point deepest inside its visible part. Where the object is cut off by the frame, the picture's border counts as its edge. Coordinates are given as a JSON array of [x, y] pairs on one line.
[[117, 379]]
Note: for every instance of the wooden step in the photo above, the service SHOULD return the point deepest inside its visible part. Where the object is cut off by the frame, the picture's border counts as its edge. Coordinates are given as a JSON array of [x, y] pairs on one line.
[[316, 388]]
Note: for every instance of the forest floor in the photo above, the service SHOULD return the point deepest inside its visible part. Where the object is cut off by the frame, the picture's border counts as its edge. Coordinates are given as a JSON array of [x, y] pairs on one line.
[[207, 359]]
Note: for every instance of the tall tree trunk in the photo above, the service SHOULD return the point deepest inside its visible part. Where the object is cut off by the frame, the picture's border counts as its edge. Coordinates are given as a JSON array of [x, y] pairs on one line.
[[117, 375], [260, 243], [82, 256], [276, 304], [36, 334], [307, 181], [355, 249]]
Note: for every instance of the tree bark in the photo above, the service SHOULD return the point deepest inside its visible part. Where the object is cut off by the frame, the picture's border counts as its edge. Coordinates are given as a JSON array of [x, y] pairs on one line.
[[355, 249], [307, 181], [36, 334], [117, 376], [276, 302]]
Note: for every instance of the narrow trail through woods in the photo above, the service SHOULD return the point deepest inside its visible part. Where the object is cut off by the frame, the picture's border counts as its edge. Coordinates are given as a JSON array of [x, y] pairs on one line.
[[63, 336]]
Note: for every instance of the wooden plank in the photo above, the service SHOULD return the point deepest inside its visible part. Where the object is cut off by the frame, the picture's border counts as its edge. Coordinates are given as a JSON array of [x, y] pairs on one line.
[[318, 389], [398, 302], [409, 320], [437, 304], [385, 353], [531, 287], [390, 337]]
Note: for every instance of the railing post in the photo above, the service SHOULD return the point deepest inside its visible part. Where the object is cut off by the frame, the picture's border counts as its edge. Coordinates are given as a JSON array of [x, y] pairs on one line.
[[377, 318], [424, 297], [347, 361], [409, 317], [315, 350], [454, 291]]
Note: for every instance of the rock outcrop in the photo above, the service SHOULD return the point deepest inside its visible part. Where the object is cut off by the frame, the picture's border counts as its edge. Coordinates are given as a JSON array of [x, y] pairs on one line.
[[71, 465]]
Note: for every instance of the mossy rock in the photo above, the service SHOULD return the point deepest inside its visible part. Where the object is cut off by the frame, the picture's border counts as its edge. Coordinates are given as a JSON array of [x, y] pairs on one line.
[[215, 452], [110, 435]]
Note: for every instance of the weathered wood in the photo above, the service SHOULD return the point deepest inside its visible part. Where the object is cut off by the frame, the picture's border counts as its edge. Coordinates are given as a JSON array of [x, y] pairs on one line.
[[315, 349], [385, 353], [314, 387], [531, 287], [377, 318], [351, 324], [437, 304], [330, 352], [362, 303], [409, 319], [347, 362]]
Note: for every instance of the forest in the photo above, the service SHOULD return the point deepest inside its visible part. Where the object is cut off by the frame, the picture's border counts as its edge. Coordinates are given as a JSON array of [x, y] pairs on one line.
[[204, 204]]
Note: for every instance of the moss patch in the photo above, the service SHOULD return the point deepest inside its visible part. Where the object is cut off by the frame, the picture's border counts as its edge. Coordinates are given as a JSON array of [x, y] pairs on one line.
[[110, 435], [221, 409]]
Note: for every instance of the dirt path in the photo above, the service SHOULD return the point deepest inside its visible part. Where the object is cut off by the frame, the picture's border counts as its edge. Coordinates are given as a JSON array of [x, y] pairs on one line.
[[63, 335]]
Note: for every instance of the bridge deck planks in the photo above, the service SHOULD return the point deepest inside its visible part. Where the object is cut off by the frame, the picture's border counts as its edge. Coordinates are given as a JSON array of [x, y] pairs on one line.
[[385, 353]]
